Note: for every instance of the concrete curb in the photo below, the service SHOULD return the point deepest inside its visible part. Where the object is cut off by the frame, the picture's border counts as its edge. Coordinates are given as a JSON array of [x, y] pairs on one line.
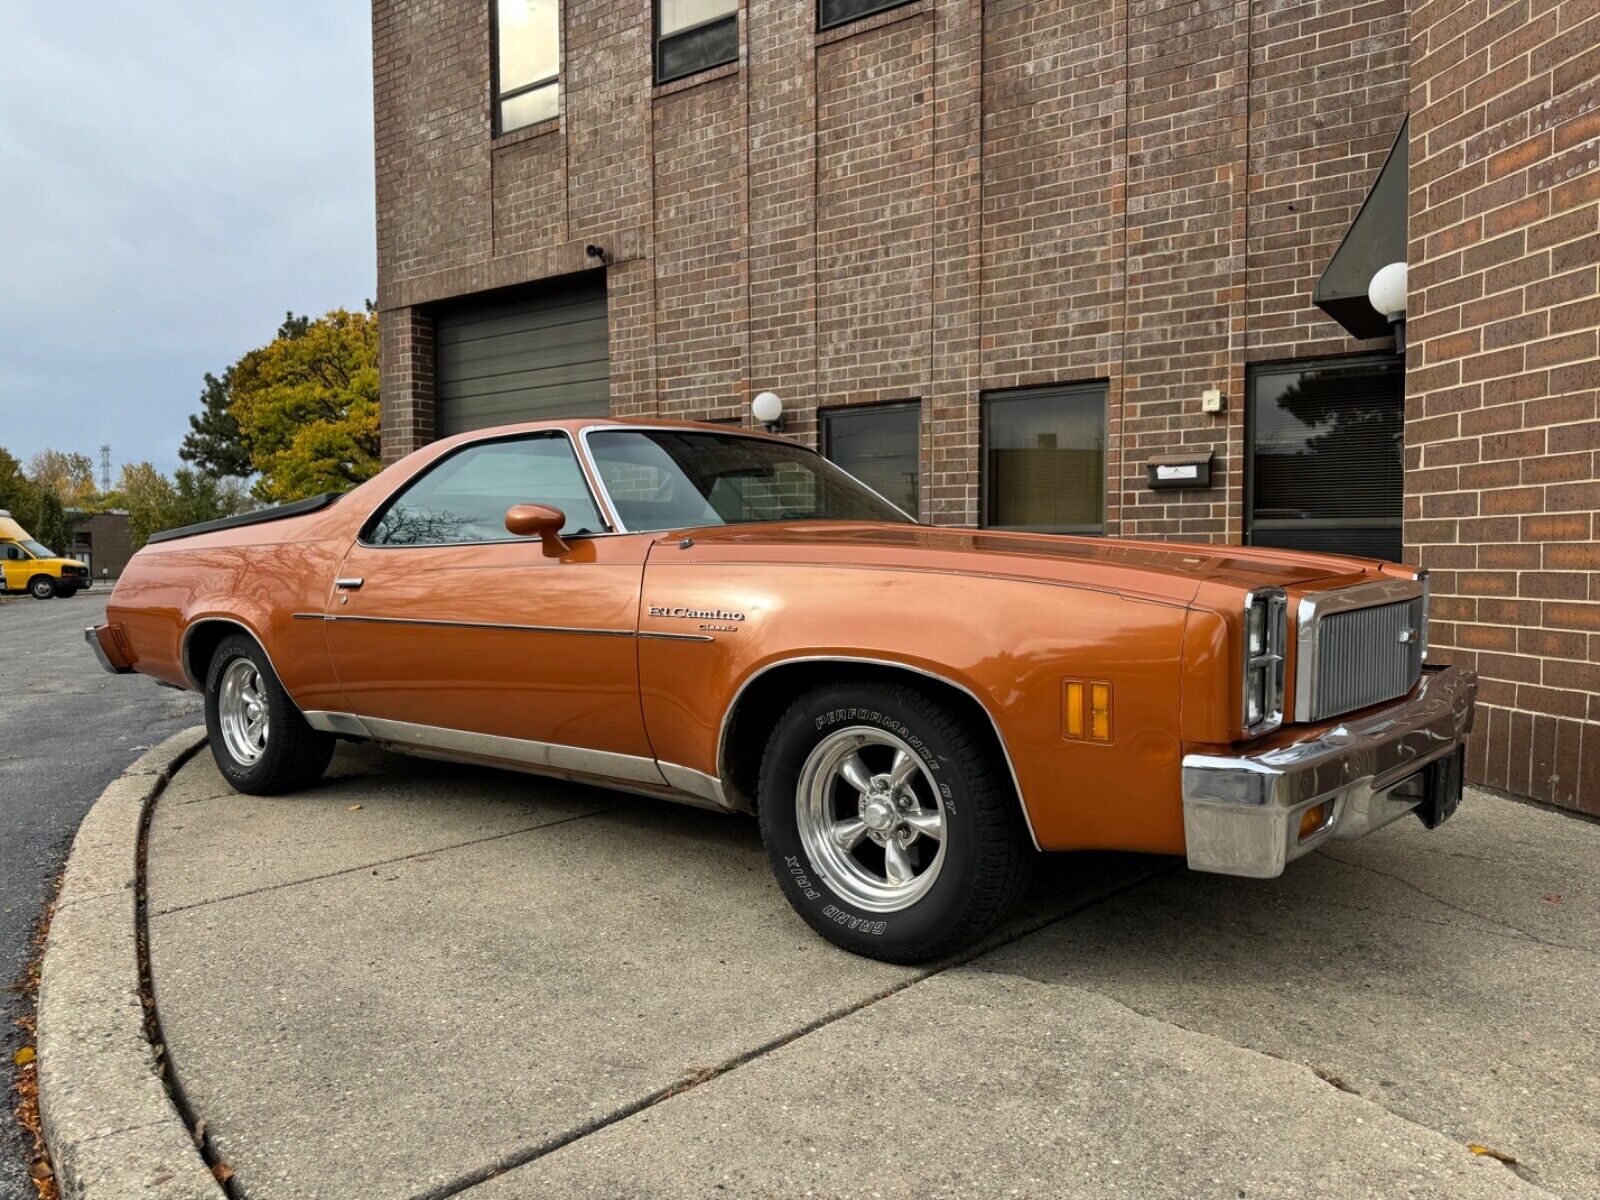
[[112, 1130]]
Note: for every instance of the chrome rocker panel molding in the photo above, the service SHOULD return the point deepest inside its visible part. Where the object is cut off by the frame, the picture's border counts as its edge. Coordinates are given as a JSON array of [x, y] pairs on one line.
[[1241, 815], [625, 772], [1308, 619]]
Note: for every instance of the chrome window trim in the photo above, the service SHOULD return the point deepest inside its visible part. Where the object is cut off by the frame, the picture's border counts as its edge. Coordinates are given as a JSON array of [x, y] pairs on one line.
[[730, 431], [1314, 607], [400, 489], [1005, 750]]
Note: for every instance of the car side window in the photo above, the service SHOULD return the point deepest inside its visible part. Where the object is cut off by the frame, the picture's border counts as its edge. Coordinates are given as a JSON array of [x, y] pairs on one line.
[[14, 552], [463, 498]]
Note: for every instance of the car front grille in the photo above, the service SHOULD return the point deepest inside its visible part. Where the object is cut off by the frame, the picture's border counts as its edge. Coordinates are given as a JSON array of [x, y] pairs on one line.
[[1359, 646], [1365, 656]]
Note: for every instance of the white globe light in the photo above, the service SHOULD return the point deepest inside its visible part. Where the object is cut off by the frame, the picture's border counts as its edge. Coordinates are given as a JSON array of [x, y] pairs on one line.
[[1387, 291], [766, 407]]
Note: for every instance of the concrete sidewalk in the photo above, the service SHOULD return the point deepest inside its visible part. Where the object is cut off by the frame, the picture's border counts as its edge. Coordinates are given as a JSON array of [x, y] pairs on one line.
[[420, 980]]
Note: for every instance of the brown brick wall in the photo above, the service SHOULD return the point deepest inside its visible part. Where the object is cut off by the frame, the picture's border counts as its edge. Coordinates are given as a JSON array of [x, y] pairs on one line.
[[1503, 371], [955, 196]]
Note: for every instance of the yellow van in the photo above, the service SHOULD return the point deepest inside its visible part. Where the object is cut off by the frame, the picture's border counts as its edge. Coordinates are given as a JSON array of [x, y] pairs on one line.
[[38, 570]]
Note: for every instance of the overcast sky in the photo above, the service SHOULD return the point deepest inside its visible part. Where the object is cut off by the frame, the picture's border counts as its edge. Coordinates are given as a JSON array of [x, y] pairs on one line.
[[173, 177]]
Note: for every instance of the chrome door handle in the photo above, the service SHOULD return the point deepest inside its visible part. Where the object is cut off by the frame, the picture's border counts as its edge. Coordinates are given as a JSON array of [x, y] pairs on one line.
[[350, 584]]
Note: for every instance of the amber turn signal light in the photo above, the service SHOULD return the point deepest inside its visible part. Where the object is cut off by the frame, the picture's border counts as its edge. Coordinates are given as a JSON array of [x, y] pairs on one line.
[[1313, 819], [1086, 710]]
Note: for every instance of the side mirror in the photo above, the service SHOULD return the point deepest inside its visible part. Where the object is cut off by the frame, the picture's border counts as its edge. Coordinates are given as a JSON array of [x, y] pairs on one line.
[[541, 521]]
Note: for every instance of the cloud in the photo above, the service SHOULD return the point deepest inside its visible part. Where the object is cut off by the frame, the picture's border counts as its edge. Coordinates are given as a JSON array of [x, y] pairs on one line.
[[173, 177]]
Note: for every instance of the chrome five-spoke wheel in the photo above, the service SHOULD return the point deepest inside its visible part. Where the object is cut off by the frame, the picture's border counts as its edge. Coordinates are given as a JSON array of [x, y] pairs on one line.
[[871, 818], [242, 712]]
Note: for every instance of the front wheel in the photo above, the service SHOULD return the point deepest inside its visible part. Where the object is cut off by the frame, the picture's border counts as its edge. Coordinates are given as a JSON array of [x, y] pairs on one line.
[[890, 821], [42, 587], [261, 743]]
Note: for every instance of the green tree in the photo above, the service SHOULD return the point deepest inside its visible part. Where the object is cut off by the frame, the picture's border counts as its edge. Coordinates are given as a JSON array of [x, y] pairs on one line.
[[307, 405], [214, 443]]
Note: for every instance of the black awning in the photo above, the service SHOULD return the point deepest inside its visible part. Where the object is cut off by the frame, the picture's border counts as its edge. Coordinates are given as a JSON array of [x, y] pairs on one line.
[[1375, 238]]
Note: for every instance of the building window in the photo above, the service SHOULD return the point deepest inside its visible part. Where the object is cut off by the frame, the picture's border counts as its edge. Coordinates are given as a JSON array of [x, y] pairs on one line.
[[1044, 459], [880, 444], [1326, 469], [527, 62], [838, 12], [695, 35]]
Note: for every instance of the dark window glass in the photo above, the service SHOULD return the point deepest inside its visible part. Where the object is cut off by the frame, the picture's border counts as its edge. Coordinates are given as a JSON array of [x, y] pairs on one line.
[[695, 35], [1326, 467], [464, 498], [837, 12], [527, 65], [668, 480], [1044, 459], [879, 445]]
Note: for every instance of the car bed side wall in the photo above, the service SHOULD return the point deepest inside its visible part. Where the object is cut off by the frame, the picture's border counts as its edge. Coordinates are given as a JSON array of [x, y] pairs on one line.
[[175, 606]]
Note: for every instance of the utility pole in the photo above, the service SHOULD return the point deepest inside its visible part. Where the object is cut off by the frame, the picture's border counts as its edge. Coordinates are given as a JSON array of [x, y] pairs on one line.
[[105, 468]]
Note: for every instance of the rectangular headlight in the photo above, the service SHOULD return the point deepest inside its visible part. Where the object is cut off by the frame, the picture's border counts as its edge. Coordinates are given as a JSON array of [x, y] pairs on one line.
[[1266, 623]]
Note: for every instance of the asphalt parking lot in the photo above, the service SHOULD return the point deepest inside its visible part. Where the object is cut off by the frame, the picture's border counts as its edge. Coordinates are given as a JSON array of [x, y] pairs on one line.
[[67, 729], [422, 981]]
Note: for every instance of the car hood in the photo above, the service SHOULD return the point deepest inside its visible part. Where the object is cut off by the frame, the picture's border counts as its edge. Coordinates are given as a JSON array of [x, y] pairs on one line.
[[1168, 570]]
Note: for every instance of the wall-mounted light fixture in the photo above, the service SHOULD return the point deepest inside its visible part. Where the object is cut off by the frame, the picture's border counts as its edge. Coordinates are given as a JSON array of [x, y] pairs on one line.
[[593, 251], [768, 409], [1387, 294]]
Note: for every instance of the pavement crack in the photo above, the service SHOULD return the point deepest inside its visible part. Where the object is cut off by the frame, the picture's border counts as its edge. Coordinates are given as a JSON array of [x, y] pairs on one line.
[[704, 1075], [1514, 931], [1324, 1077], [385, 862]]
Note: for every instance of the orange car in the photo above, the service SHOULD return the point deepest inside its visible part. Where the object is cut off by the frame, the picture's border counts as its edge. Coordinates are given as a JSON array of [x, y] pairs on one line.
[[727, 619]]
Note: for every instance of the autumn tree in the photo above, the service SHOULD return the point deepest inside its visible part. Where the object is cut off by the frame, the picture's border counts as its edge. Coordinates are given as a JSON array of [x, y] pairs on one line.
[[38, 509], [69, 474], [155, 502], [307, 405]]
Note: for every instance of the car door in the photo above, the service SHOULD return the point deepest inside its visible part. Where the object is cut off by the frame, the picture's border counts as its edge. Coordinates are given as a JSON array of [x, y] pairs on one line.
[[449, 633]]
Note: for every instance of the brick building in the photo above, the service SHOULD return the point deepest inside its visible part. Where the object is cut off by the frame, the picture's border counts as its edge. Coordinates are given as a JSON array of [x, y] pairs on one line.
[[993, 256]]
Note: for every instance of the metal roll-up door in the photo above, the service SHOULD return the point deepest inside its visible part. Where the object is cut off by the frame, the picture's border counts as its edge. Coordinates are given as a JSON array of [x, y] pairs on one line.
[[538, 356]]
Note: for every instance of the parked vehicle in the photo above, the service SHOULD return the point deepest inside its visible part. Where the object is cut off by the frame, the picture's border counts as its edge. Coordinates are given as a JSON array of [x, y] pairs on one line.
[[727, 619], [29, 566]]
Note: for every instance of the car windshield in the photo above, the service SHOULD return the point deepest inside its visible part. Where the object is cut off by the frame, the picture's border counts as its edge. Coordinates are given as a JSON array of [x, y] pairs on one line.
[[38, 549], [674, 479]]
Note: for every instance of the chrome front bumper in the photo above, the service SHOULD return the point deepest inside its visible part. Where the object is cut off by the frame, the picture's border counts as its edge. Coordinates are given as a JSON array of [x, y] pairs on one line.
[[1241, 815]]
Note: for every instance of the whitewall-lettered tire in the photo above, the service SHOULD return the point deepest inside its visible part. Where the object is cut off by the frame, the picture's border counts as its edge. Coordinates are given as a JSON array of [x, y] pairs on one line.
[[891, 825], [261, 743]]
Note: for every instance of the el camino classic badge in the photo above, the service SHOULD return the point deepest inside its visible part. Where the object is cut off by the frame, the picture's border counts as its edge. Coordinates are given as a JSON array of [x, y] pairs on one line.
[[716, 620]]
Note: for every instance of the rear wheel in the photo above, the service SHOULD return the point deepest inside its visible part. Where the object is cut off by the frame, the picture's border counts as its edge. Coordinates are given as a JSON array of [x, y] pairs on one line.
[[41, 587], [261, 743], [890, 822]]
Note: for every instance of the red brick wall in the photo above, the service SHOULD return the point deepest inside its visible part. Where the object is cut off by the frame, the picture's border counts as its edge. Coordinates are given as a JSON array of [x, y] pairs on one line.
[[953, 197], [1503, 373]]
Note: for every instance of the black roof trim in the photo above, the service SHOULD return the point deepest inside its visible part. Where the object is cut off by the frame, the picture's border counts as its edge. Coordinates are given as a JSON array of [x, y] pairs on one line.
[[275, 513]]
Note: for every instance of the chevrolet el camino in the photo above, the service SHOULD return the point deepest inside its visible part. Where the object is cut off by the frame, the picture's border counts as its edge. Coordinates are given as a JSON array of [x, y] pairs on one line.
[[727, 619]]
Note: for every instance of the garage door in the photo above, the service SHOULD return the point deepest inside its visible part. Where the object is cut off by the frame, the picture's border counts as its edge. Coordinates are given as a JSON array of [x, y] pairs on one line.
[[536, 357]]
